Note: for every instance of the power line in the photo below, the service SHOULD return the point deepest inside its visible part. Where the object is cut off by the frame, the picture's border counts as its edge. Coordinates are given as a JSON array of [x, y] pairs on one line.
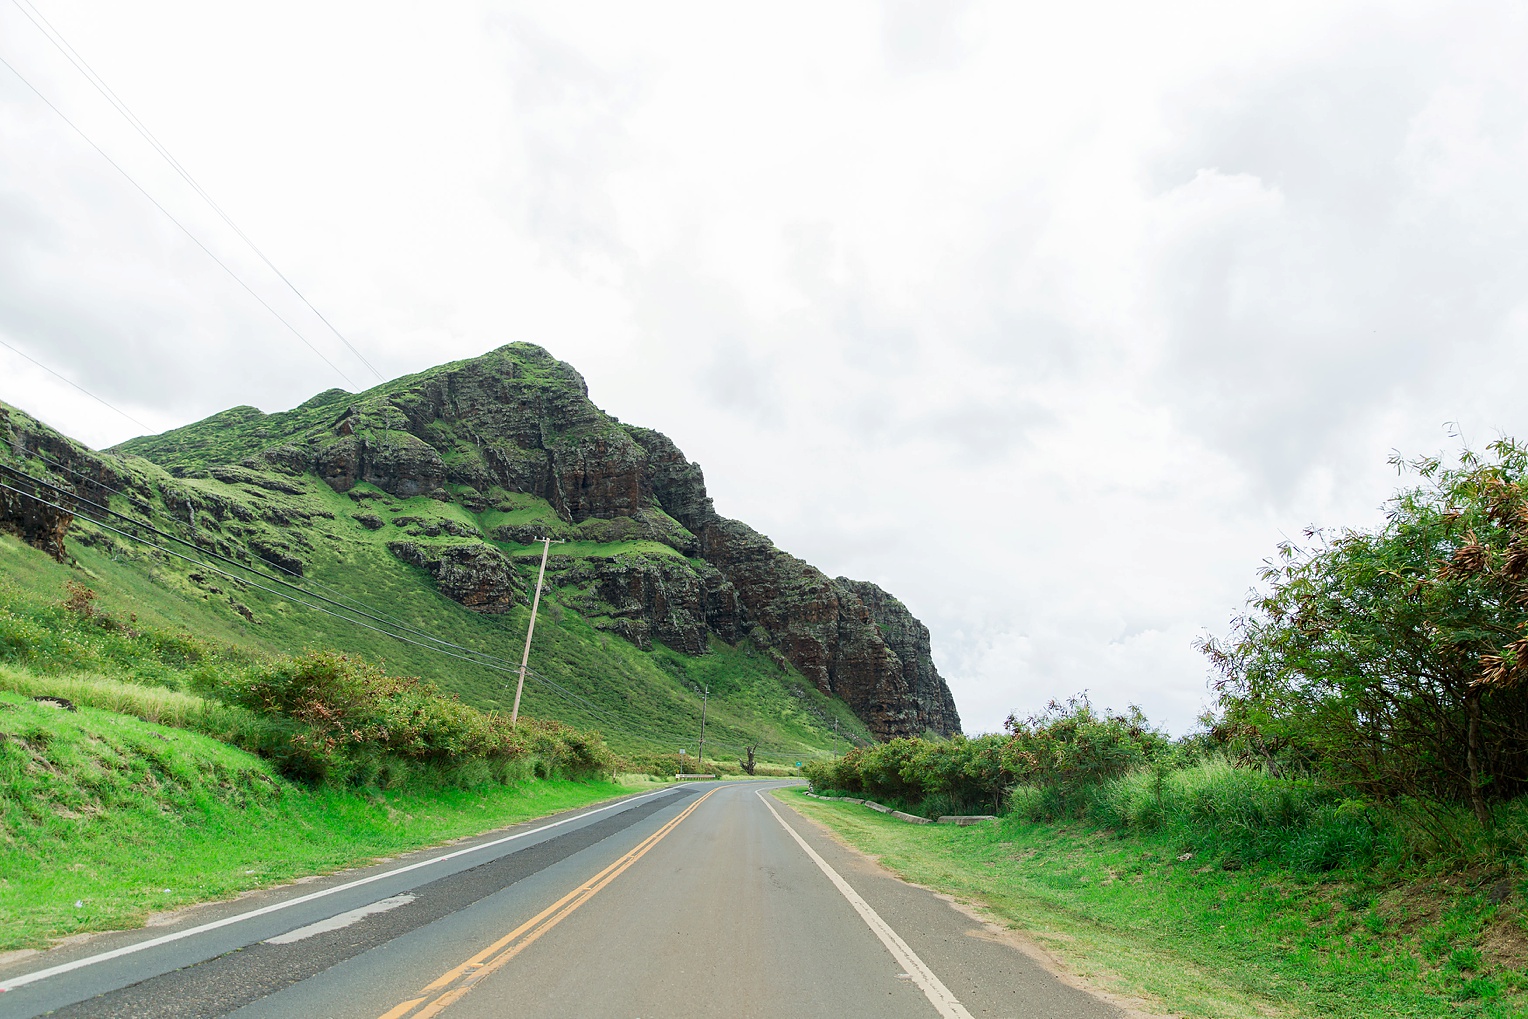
[[76, 385], [437, 645], [261, 587], [492, 662], [137, 504], [56, 37], [183, 228], [488, 659], [481, 659]]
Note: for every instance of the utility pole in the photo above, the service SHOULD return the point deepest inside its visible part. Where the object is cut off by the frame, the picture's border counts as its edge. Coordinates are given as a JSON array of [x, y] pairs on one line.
[[835, 737], [514, 716], [704, 696]]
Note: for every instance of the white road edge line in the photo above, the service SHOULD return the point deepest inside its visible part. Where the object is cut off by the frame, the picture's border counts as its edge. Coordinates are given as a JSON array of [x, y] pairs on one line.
[[342, 920], [117, 953], [938, 995]]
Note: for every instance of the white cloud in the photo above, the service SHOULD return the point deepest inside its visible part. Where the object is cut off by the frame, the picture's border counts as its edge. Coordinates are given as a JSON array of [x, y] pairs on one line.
[[1050, 318]]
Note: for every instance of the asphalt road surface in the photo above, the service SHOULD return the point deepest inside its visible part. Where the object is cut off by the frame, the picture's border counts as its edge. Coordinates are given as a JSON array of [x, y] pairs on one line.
[[704, 900]]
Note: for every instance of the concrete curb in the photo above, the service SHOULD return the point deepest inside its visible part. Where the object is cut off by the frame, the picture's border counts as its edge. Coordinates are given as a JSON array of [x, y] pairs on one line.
[[964, 820], [911, 818], [881, 807]]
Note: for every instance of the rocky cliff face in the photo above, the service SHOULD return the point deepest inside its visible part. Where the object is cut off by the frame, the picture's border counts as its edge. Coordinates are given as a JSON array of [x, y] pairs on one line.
[[518, 422], [909, 639]]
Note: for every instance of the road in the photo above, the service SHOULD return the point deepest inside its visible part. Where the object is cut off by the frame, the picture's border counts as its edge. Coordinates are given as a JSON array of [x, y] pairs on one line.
[[712, 899]]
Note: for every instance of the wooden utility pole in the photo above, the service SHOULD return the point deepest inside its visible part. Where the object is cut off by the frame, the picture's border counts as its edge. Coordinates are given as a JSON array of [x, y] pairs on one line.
[[835, 737], [704, 696], [514, 716]]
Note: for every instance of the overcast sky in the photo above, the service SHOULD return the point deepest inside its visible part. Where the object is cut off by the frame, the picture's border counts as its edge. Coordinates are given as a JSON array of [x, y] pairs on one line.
[[1050, 318]]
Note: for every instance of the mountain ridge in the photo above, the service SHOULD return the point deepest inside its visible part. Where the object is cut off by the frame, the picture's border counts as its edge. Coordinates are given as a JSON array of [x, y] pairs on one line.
[[461, 466], [519, 421]]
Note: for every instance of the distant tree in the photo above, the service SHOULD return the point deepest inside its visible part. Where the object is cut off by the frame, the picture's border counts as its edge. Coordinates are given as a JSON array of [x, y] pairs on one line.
[[1395, 658]]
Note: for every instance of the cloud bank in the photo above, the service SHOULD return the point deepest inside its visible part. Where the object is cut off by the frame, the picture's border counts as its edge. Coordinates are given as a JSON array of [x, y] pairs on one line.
[[1050, 320]]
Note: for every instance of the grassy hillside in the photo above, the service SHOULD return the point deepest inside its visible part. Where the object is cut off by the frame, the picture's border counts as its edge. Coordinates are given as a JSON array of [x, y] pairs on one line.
[[151, 817], [262, 534], [644, 702]]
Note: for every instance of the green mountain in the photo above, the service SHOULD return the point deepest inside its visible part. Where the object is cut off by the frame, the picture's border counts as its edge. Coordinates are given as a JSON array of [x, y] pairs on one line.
[[404, 522]]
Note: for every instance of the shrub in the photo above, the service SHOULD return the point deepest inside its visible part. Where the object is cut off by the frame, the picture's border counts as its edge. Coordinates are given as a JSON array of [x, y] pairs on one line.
[[1071, 747], [1064, 751], [1394, 659], [340, 719]]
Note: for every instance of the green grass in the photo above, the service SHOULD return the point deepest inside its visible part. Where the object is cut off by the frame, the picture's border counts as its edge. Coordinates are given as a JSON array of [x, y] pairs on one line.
[[637, 699], [606, 549], [127, 818], [1197, 939], [156, 704], [753, 703]]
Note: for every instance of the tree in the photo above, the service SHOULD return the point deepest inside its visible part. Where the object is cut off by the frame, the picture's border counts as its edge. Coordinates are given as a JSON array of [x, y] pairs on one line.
[[1395, 658]]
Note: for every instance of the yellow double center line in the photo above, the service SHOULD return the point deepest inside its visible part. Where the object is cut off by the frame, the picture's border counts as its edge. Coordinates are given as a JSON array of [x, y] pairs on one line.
[[454, 983]]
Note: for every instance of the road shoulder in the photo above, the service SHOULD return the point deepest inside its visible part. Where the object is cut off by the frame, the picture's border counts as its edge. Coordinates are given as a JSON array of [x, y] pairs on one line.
[[1008, 970]]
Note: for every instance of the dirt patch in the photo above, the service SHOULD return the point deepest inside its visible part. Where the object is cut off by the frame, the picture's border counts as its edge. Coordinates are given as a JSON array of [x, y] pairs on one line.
[[1412, 906], [1505, 944], [18, 954]]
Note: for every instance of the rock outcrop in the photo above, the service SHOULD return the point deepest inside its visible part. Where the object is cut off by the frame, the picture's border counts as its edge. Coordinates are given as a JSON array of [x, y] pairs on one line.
[[477, 575], [677, 601], [35, 523], [909, 640]]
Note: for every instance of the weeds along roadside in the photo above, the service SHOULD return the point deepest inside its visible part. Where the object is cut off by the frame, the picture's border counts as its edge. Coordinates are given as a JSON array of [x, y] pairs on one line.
[[1371, 704], [320, 717], [106, 819], [1136, 914], [1078, 764]]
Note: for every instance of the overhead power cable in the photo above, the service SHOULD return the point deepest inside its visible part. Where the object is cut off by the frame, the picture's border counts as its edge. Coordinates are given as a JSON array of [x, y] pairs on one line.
[[449, 648], [137, 503], [242, 580], [481, 659], [56, 37], [76, 385], [485, 658], [490, 661], [183, 228]]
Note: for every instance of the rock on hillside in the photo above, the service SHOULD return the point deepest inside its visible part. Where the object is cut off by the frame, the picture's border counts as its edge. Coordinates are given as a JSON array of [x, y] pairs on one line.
[[909, 638], [516, 422]]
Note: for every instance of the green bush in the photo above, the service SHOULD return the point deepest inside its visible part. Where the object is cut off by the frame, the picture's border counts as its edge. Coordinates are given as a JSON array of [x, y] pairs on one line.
[[1394, 659], [1062, 753], [343, 720]]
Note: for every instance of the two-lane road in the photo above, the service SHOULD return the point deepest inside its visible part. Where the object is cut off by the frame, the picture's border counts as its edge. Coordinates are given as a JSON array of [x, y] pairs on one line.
[[705, 900]]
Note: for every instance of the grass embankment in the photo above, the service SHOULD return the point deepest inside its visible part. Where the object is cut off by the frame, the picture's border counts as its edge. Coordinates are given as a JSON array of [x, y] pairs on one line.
[[1215, 935], [106, 819], [752, 701]]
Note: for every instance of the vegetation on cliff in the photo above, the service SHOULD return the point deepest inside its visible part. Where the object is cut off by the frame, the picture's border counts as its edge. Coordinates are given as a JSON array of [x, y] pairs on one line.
[[270, 559], [482, 457]]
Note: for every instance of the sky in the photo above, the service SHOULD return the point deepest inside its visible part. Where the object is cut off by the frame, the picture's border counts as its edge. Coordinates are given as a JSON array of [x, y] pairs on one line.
[[1052, 319]]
